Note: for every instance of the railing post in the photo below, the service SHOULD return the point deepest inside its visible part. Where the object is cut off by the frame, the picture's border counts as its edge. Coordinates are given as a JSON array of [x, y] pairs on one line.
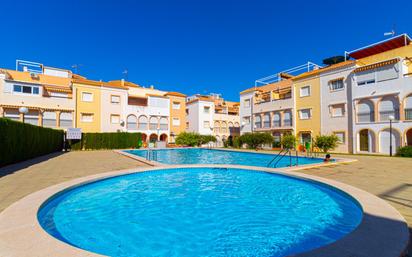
[[297, 158]]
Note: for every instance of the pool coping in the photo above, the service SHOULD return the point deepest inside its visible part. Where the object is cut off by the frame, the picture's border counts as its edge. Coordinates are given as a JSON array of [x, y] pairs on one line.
[[383, 231], [338, 160]]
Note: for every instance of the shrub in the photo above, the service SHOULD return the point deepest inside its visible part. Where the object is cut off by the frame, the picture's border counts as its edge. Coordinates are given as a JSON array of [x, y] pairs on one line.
[[115, 140], [276, 144], [254, 140], [193, 139], [405, 151], [236, 142], [20, 141], [288, 141], [326, 142]]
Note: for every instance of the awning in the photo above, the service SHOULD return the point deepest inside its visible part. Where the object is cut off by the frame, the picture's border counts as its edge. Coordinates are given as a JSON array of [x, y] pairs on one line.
[[376, 65]]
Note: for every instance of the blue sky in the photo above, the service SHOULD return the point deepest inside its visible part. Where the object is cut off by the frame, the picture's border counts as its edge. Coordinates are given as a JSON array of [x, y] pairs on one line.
[[191, 46]]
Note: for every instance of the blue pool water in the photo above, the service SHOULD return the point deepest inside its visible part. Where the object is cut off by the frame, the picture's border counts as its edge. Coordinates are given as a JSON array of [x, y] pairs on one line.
[[210, 156], [200, 212]]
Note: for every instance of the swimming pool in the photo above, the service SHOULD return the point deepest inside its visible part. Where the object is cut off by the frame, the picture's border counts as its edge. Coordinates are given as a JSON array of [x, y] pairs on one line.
[[200, 212], [210, 156]]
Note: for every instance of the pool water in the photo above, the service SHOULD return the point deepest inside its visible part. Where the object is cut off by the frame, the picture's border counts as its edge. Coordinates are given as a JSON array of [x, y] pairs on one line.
[[200, 212], [210, 156]]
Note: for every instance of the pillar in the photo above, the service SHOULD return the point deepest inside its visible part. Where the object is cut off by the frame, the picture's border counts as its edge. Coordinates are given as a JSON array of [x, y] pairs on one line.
[[58, 119], [376, 109], [40, 117]]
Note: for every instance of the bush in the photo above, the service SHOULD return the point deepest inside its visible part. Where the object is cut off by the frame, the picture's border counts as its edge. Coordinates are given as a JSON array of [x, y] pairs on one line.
[[20, 141], [115, 140], [237, 143], [193, 139], [289, 141], [326, 143], [254, 140], [405, 151], [276, 144]]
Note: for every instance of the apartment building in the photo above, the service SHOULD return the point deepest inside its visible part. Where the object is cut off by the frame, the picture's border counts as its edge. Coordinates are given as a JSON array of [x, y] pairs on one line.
[[177, 108], [46, 92], [382, 91], [212, 115]]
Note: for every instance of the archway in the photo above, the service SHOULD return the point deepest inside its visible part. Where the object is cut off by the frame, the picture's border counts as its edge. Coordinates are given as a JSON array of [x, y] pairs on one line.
[[153, 138], [409, 137], [163, 137], [366, 141], [385, 139], [131, 122]]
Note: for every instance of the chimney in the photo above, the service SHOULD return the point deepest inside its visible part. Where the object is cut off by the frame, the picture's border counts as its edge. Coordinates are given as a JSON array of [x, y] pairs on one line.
[[122, 83], [151, 87]]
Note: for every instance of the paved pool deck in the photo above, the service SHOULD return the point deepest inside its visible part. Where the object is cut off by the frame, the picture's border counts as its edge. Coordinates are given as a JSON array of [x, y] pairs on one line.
[[387, 178]]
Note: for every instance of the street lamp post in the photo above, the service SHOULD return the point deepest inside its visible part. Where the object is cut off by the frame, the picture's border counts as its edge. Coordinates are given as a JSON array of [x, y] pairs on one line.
[[24, 111], [391, 118]]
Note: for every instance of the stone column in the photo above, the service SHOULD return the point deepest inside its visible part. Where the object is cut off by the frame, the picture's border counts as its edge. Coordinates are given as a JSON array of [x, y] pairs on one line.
[[58, 119], [401, 109], [376, 107], [40, 119], [281, 114]]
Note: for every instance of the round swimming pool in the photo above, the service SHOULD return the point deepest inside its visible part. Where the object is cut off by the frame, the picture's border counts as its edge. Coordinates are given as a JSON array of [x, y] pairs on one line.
[[200, 212]]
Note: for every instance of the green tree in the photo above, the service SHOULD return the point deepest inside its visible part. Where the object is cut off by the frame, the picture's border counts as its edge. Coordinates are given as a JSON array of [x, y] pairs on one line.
[[204, 139], [254, 140], [288, 141], [188, 139], [326, 142]]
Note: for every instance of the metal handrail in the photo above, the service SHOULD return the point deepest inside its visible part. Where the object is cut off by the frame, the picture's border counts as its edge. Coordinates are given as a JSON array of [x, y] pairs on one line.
[[275, 157], [276, 163]]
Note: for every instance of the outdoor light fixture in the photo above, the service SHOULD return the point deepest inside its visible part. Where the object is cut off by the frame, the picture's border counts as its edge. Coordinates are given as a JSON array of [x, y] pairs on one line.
[[391, 118], [24, 111]]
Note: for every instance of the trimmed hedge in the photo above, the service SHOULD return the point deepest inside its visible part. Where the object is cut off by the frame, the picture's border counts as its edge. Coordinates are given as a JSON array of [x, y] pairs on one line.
[[405, 151], [116, 140], [20, 141]]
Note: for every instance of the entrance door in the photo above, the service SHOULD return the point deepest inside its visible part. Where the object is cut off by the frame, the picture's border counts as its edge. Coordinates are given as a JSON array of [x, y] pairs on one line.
[[364, 140], [409, 137]]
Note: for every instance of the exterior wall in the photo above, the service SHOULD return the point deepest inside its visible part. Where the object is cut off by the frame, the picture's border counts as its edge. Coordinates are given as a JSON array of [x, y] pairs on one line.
[[180, 114], [40, 103], [223, 129], [245, 111], [192, 117], [108, 109], [312, 102], [197, 117], [330, 124], [92, 107]]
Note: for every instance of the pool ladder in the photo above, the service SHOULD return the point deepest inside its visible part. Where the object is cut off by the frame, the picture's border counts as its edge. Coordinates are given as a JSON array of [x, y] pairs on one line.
[[280, 156], [151, 155]]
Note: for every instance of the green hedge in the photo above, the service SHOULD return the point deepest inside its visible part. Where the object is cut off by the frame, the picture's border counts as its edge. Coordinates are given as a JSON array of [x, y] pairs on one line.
[[20, 141], [116, 140], [405, 151]]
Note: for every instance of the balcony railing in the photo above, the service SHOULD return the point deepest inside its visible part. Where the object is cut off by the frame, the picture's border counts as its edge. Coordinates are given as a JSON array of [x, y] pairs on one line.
[[276, 124], [164, 126], [266, 124], [366, 117], [384, 115], [258, 124], [408, 114], [287, 123]]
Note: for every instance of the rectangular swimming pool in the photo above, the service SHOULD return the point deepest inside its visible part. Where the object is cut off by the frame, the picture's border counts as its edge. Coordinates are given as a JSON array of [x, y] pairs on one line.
[[210, 156]]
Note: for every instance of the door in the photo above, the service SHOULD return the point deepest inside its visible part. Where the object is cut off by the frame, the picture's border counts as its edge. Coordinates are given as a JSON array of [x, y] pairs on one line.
[[364, 140]]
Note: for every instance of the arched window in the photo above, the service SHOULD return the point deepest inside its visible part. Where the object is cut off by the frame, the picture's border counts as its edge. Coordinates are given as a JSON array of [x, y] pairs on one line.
[[258, 121], [276, 120], [216, 127], [236, 124], [224, 127], [66, 120], [131, 122], [49, 119], [142, 123], [365, 111], [287, 119], [266, 120], [408, 108], [164, 125], [388, 107], [153, 123]]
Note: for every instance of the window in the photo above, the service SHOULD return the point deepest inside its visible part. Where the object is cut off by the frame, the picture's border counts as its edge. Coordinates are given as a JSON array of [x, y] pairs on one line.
[[266, 120], [206, 109], [216, 127], [276, 120], [30, 90], [32, 117], [176, 122], [12, 114], [335, 85], [224, 127], [287, 119], [153, 123], [365, 111], [341, 136], [247, 103], [142, 122], [87, 97], [115, 119], [388, 107], [49, 119], [387, 72], [59, 95], [163, 123], [86, 117], [66, 120], [206, 124], [258, 122], [408, 108], [176, 106], [246, 120], [365, 78], [338, 110], [131, 122], [305, 91], [115, 99], [305, 114]]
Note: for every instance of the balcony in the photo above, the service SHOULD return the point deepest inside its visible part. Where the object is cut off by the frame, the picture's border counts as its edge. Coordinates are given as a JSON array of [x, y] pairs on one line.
[[408, 114], [366, 117], [384, 115]]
